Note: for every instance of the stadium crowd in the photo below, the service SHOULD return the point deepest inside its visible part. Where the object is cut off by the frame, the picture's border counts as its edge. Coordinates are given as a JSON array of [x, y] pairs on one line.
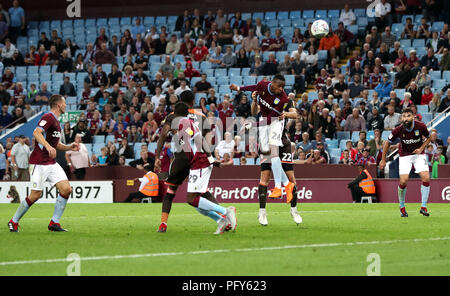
[[126, 103]]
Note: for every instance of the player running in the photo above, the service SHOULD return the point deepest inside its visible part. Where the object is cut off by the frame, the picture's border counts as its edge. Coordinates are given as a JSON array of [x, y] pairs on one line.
[[286, 154], [189, 139], [411, 150], [43, 166], [180, 166], [272, 102]]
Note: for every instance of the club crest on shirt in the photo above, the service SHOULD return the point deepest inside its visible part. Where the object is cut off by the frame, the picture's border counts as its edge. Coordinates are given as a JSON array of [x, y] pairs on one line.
[[416, 133], [276, 101], [42, 123]]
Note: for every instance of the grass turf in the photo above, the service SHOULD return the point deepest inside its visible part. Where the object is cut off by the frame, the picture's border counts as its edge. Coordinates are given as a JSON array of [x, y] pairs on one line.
[[126, 229]]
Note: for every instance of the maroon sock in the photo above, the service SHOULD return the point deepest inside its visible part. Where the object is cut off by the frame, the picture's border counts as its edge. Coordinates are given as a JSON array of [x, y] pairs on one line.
[[402, 186], [426, 184], [29, 202], [195, 202], [65, 197]]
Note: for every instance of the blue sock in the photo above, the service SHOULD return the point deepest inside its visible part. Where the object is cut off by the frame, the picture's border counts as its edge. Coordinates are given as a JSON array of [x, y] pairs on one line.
[[211, 214], [206, 205], [23, 208], [277, 170], [401, 196], [425, 190], [284, 177], [60, 205]]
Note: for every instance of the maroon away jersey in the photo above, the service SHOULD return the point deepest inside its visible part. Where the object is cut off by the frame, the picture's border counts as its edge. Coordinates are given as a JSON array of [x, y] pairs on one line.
[[409, 140], [52, 133], [187, 131], [267, 100]]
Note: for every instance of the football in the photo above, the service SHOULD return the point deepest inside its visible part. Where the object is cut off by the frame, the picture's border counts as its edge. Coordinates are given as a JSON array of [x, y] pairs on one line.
[[320, 28]]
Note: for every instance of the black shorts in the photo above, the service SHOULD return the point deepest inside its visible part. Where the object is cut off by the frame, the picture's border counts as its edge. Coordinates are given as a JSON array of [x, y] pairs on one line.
[[286, 160], [178, 171]]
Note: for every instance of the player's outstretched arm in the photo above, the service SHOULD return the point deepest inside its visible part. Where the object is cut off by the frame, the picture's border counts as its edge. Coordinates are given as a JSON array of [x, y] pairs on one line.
[[63, 147], [38, 135], [254, 109]]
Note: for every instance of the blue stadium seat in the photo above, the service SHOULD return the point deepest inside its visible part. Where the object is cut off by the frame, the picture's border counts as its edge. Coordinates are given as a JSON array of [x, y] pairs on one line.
[[308, 14], [125, 21], [114, 21], [152, 147], [321, 13], [437, 26], [285, 23], [333, 13], [272, 24], [418, 43], [234, 72], [445, 75], [343, 135], [296, 14], [283, 15], [220, 72], [270, 15], [90, 23], [290, 79], [249, 80], [359, 12], [149, 20], [97, 139], [343, 143], [332, 143], [385, 135], [362, 21], [439, 83], [246, 15], [427, 117], [236, 161], [258, 15], [405, 43], [298, 23], [235, 80], [434, 75], [160, 20], [421, 109]]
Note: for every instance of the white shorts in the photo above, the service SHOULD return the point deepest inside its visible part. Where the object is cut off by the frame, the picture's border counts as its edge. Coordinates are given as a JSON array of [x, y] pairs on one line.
[[51, 173], [199, 180], [271, 135], [419, 161]]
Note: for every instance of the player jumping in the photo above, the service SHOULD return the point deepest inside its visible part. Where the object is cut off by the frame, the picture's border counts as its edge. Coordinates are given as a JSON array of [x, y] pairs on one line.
[[285, 152], [43, 166], [272, 101], [189, 138], [180, 165], [411, 150]]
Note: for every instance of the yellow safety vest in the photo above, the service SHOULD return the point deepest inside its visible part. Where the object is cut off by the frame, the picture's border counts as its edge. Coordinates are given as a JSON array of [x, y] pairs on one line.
[[367, 185], [152, 187]]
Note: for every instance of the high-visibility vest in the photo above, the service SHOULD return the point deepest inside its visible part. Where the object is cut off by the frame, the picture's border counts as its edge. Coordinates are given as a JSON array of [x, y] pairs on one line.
[[152, 186], [367, 185]]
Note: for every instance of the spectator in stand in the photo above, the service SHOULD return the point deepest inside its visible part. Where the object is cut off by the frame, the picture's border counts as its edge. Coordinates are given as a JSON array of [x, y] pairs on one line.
[[143, 160], [250, 43], [141, 79], [384, 88], [270, 66], [365, 158], [376, 120], [423, 78], [408, 30], [17, 18], [346, 158], [430, 61], [389, 39], [316, 157], [173, 46], [404, 76], [278, 43], [346, 39], [65, 63], [376, 143], [329, 42], [216, 58], [416, 93], [229, 59], [203, 85], [260, 28], [20, 156], [187, 46], [423, 30], [8, 52], [78, 161], [225, 146], [445, 102], [160, 44], [5, 117], [444, 64], [392, 119], [103, 56], [138, 28], [433, 105], [355, 122], [3, 28], [383, 15], [347, 16], [67, 89], [183, 86], [42, 96], [427, 96], [41, 57], [81, 128]]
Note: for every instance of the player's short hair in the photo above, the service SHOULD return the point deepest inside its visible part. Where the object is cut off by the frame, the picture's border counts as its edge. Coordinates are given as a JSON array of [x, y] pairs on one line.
[[279, 77], [54, 100], [181, 109], [187, 96], [407, 110]]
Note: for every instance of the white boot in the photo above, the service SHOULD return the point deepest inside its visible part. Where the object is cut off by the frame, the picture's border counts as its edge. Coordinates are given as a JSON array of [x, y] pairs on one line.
[[262, 217], [297, 218]]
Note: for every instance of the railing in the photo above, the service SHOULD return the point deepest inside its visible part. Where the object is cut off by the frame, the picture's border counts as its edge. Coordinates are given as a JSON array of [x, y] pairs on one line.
[[3, 130]]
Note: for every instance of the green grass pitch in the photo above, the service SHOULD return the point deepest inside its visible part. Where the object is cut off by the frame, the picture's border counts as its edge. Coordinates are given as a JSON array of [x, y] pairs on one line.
[[334, 239]]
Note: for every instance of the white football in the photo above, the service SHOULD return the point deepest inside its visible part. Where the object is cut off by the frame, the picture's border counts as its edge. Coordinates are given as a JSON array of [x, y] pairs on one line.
[[320, 28]]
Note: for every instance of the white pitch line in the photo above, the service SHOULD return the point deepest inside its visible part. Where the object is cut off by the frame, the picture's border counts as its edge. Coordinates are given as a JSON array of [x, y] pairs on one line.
[[132, 256]]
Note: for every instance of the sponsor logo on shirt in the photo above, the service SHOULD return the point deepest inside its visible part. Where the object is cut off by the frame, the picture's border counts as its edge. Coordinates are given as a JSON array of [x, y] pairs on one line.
[[411, 141]]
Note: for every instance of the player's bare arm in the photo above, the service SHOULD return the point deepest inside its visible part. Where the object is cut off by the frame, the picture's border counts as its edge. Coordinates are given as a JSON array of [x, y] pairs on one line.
[[292, 113], [254, 109], [38, 135], [63, 147]]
